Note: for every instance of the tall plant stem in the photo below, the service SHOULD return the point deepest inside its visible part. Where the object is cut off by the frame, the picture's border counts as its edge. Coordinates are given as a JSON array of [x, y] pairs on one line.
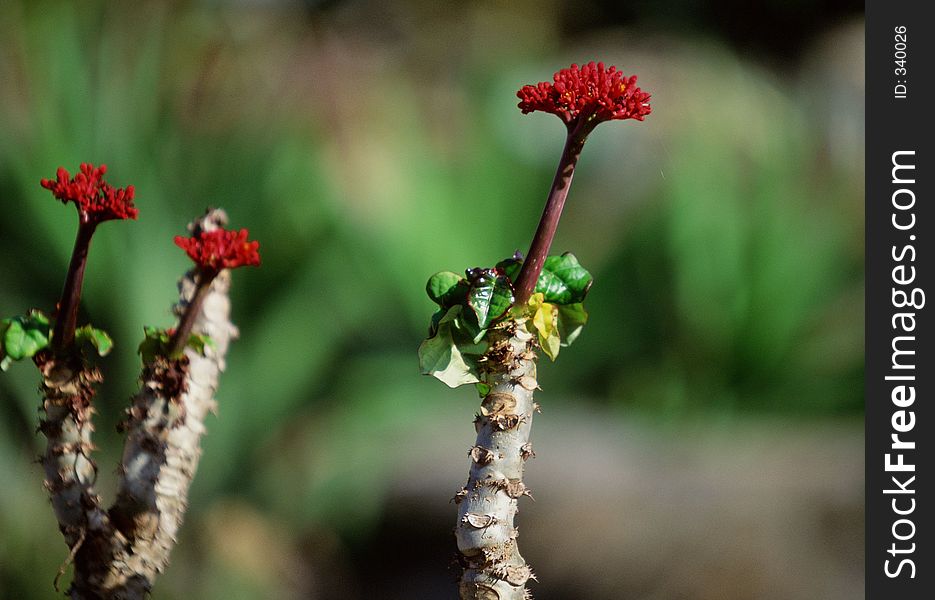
[[548, 223], [63, 334]]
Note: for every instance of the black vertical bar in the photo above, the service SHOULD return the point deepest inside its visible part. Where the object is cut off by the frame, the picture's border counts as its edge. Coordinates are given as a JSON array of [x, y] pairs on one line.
[[900, 371]]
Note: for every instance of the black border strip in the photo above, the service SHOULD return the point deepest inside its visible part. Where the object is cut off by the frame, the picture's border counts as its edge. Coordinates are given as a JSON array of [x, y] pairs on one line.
[[900, 225]]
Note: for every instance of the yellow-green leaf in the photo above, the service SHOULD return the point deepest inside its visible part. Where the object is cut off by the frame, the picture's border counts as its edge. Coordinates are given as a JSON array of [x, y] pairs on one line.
[[545, 322]]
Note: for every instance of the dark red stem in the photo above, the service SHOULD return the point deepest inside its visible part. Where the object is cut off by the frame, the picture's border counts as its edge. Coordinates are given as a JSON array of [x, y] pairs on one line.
[[63, 334], [539, 250], [184, 330]]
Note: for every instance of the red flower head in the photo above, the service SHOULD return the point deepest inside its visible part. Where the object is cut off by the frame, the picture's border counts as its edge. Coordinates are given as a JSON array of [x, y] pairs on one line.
[[96, 199], [220, 249], [590, 93]]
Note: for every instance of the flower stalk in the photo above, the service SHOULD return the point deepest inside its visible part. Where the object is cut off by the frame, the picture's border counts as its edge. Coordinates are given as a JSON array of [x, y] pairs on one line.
[[202, 279], [96, 201], [63, 333], [582, 98], [548, 223], [213, 248]]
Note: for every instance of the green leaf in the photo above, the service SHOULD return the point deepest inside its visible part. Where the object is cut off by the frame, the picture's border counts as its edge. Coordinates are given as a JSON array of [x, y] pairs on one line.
[[155, 341], [446, 288], [38, 318], [571, 320], [575, 280], [490, 296], [98, 338], [198, 342], [449, 355], [562, 280], [23, 337], [437, 316]]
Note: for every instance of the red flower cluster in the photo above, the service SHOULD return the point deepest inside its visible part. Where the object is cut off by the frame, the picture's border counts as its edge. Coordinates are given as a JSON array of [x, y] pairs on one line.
[[590, 92], [220, 249], [95, 198]]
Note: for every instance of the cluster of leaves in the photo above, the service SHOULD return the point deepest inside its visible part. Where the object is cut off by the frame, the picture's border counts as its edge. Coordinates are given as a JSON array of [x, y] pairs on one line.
[[24, 336], [469, 306], [156, 342]]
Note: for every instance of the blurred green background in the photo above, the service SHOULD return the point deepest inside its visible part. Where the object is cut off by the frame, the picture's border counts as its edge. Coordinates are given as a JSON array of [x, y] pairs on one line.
[[701, 440]]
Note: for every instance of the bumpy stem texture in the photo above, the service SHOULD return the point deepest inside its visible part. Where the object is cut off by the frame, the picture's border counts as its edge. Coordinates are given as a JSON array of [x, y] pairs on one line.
[[70, 472], [117, 554], [487, 537], [164, 428]]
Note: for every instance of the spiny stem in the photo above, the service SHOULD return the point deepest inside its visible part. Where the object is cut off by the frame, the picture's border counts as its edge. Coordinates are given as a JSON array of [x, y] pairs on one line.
[[184, 330], [163, 446], [548, 223], [485, 531], [63, 334]]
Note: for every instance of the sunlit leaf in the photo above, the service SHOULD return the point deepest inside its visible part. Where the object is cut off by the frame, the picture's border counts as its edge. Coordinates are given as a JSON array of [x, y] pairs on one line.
[[449, 355], [545, 322], [24, 336], [199, 341], [562, 280], [97, 338], [490, 296], [446, 288], [577, 279]]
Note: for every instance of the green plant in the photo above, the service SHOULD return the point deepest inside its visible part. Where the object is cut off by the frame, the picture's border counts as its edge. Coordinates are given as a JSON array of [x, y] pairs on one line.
[[491, 323], [118, 552]]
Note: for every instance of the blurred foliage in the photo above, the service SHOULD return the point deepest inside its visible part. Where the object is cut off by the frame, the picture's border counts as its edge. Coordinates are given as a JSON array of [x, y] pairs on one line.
[[368, 147]]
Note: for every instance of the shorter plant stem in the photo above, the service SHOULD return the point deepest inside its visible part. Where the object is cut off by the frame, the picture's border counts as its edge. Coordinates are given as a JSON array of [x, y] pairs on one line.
[[163, 448], [70, 472], [192, 310], [548, 223], [164, 425], [63, 334]]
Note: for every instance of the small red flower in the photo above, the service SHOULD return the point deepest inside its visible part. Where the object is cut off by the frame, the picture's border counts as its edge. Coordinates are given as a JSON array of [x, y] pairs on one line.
[[220, 249], [95, 198], [591, 92]]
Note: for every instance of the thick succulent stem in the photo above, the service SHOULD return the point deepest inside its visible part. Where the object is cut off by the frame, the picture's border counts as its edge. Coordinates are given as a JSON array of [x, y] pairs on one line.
[[487, 537], [118, 553], [70, 472], [164, 428], [67, 316], [548, 223]]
